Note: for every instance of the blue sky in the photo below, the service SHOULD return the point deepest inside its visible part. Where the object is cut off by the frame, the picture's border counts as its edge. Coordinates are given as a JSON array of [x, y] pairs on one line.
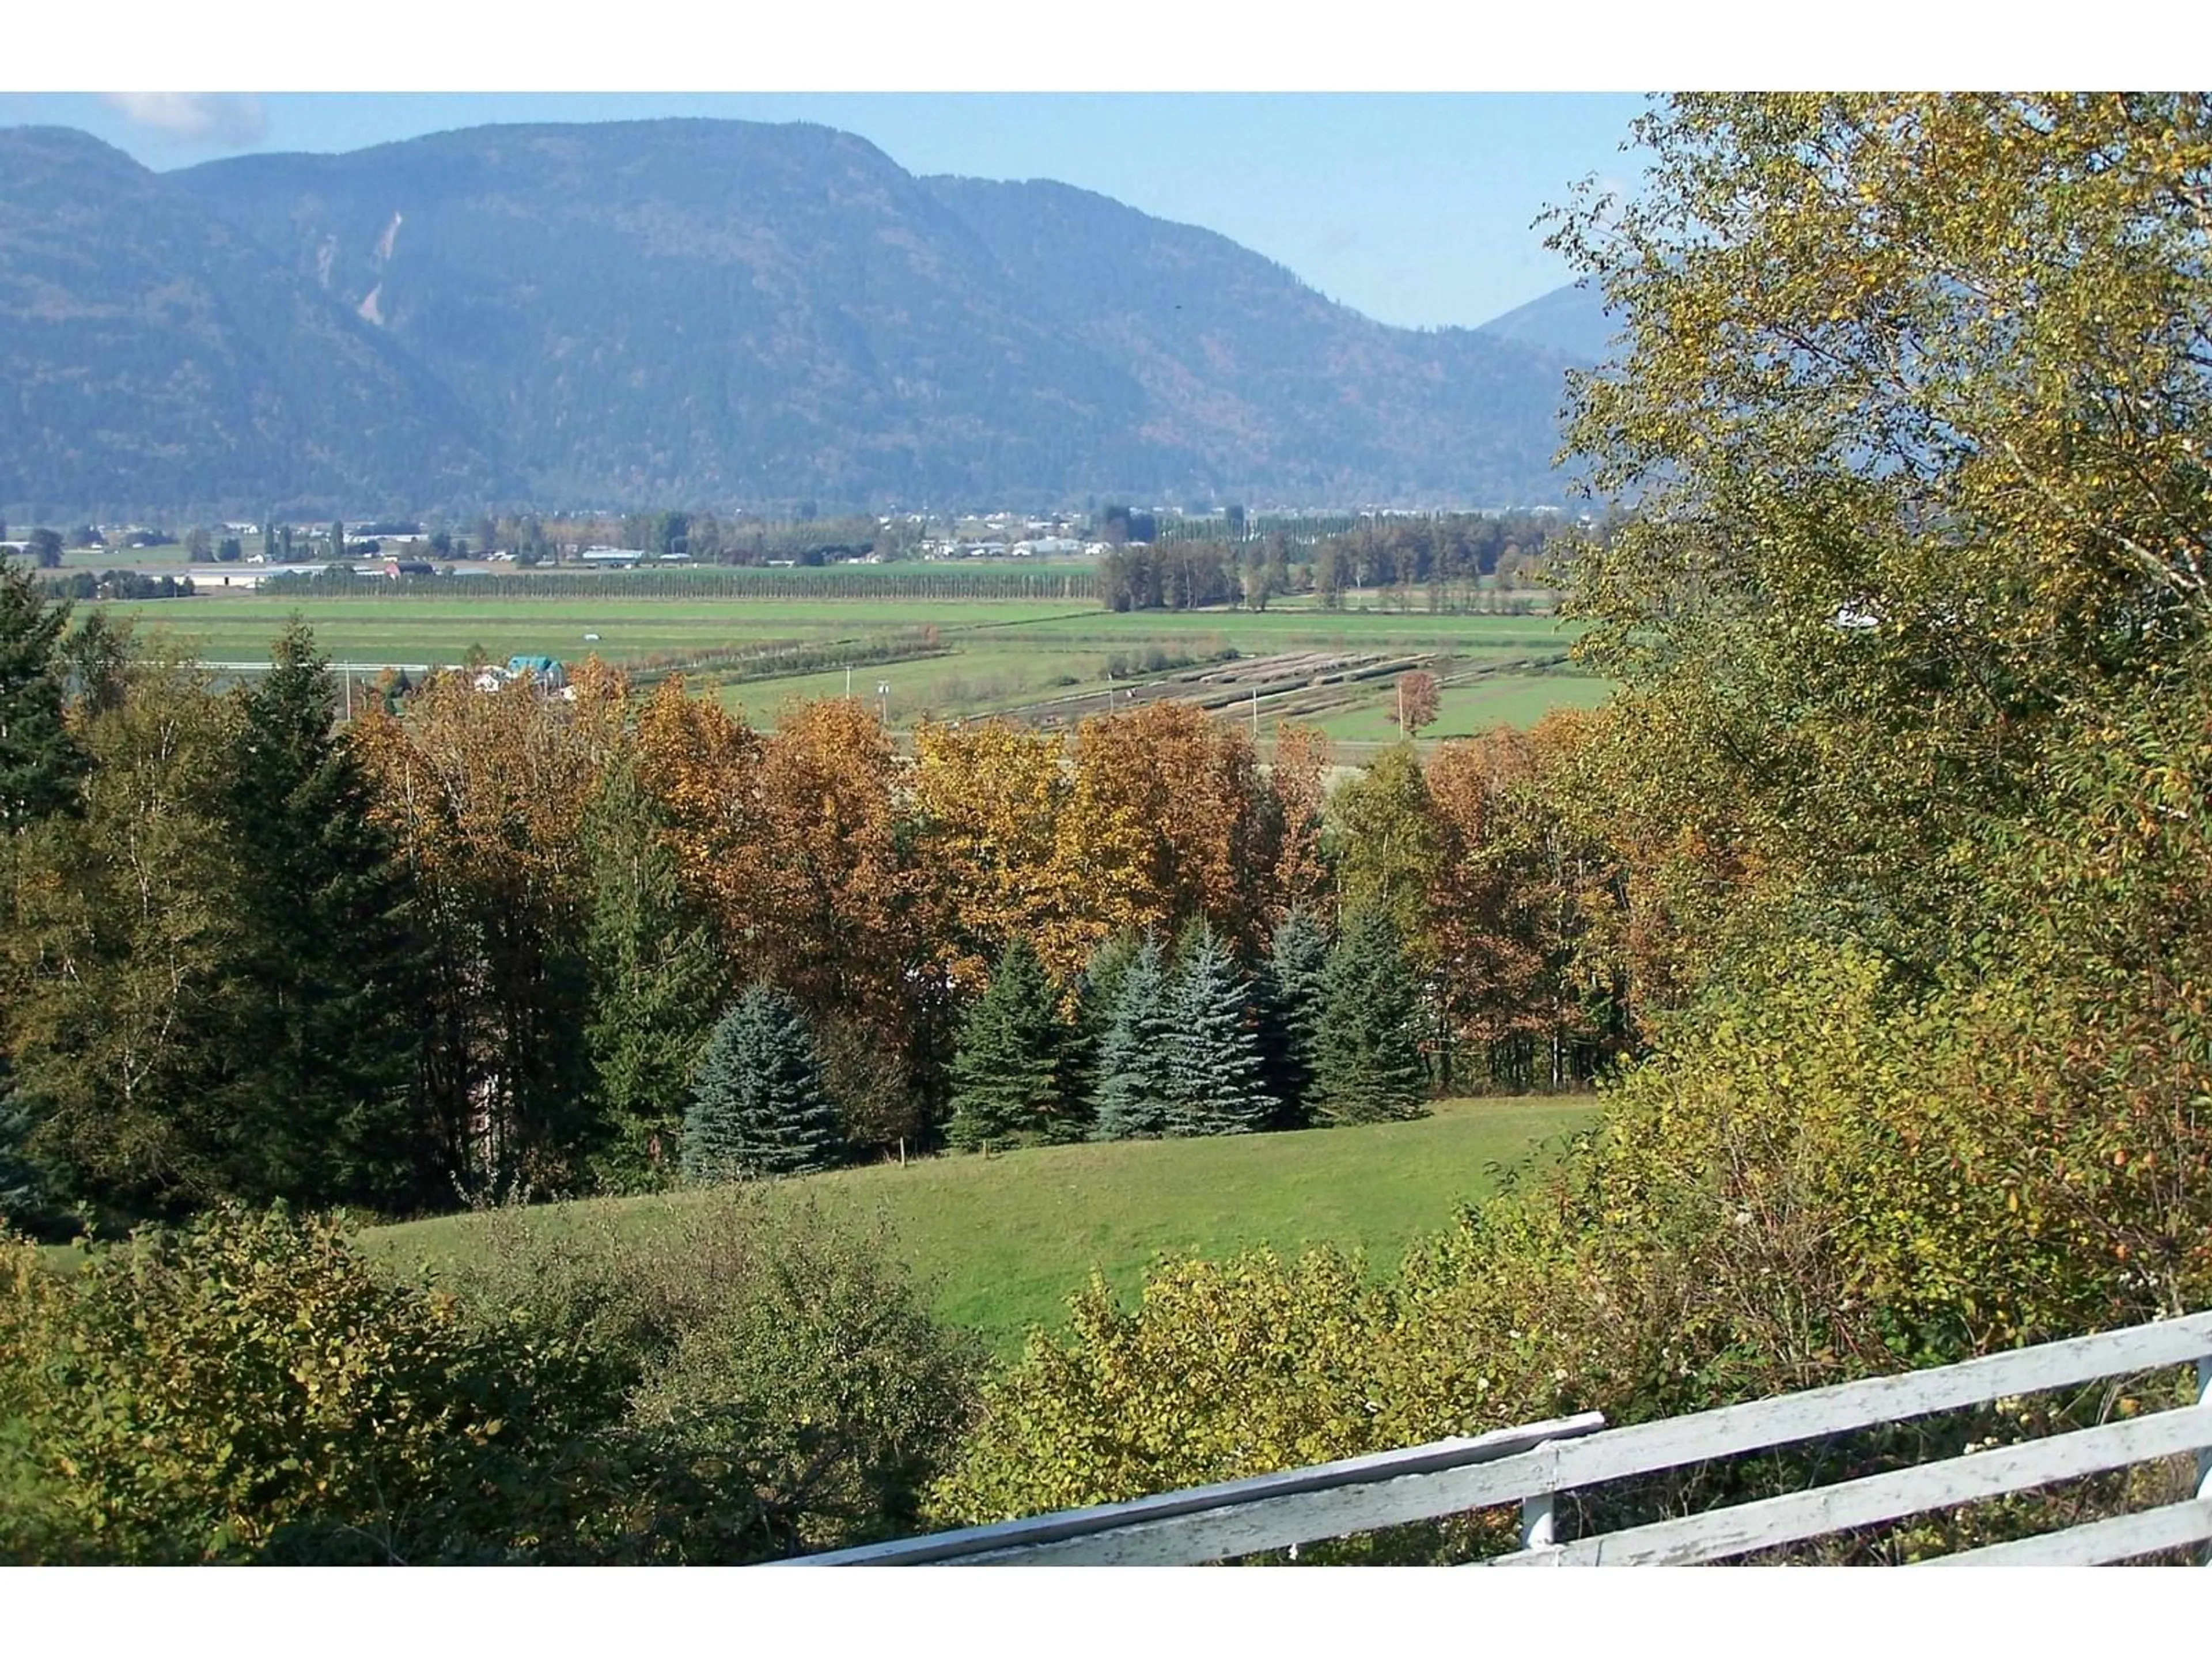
[[1414, 208]]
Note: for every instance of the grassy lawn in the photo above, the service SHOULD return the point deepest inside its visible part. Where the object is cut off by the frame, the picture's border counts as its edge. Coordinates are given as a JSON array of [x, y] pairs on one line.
[[1006, 1239]]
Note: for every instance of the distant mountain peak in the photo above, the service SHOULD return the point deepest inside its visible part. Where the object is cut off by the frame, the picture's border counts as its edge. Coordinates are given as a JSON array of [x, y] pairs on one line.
[[1572, 321]]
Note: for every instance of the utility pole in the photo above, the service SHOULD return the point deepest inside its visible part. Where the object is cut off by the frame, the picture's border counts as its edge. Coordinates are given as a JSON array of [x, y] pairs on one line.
[[1255, 715], [884, 691]]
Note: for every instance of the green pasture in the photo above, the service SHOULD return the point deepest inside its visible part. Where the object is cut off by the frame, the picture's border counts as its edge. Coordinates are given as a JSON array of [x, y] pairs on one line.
[[998, 654], [411, 625], [1462, 711], [168, 556], [441, 629], [974, 678], [1268, 631], [172, 558], [1006, 1240]]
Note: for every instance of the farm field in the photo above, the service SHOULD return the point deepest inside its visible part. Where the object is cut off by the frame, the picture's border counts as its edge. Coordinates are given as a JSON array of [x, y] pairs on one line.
[[1058, 667], [1305, 628], [1006, 1240], [171, 557], [441, 631], [1504, 699], [969, 679], [1052, 659]]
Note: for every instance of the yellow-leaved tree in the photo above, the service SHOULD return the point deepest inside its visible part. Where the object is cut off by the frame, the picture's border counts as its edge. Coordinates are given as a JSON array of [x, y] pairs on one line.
[[486, 792]]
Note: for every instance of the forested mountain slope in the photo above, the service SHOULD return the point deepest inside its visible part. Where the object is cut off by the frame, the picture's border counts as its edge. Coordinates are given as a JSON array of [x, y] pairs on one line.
[[698, 312], [152, 354]]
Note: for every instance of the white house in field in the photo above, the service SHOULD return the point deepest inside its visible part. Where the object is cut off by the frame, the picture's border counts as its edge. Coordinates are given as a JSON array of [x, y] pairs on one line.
[[546, 673]]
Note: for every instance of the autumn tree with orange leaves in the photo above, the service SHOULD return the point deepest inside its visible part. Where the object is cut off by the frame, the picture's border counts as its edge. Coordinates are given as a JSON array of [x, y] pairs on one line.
[[1169, 819], [1526, 909], [800, 844], [486, 793], [989, 798], [841, 914]]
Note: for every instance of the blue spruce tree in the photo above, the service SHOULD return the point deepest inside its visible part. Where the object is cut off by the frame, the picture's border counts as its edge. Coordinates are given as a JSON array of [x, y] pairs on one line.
[[1132, 1089], [1288, 999], [1215, 1081], [757, 1105]]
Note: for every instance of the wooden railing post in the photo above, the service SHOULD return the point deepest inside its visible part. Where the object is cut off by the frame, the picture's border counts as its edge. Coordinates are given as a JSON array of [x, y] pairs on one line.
[[1539, 1516]]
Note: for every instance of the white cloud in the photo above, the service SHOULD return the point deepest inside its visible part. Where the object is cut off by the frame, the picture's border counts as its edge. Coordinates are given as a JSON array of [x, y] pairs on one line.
[[230, 120]]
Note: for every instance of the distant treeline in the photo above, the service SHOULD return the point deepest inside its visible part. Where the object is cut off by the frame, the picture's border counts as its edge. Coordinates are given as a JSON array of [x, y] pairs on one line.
[[119, 585], [1453, 562]]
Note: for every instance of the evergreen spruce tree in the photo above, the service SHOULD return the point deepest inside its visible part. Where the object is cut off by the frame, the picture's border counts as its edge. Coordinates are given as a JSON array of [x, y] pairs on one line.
[[757, 1105], [1215, 1084], [1367, 1063], [1130, 1093], [22, 1189], [96, 658], [39, 760], [40, 766], [655, 978], [1012, 1075], [1288, 1000], [332, 967]]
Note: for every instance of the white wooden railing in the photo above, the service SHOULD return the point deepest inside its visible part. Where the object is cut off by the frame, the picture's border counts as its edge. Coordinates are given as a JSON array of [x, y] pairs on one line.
[[1534, 1464]]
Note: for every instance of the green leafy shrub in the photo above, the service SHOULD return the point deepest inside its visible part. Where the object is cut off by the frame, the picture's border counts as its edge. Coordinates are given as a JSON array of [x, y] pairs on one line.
[[1243, 1367], [823, 1391], [195, 1395], [751, 1378], [755, 1380]]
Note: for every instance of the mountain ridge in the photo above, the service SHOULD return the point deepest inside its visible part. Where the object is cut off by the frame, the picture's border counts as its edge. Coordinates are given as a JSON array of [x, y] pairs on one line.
[[700, 312], [143, 339]]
